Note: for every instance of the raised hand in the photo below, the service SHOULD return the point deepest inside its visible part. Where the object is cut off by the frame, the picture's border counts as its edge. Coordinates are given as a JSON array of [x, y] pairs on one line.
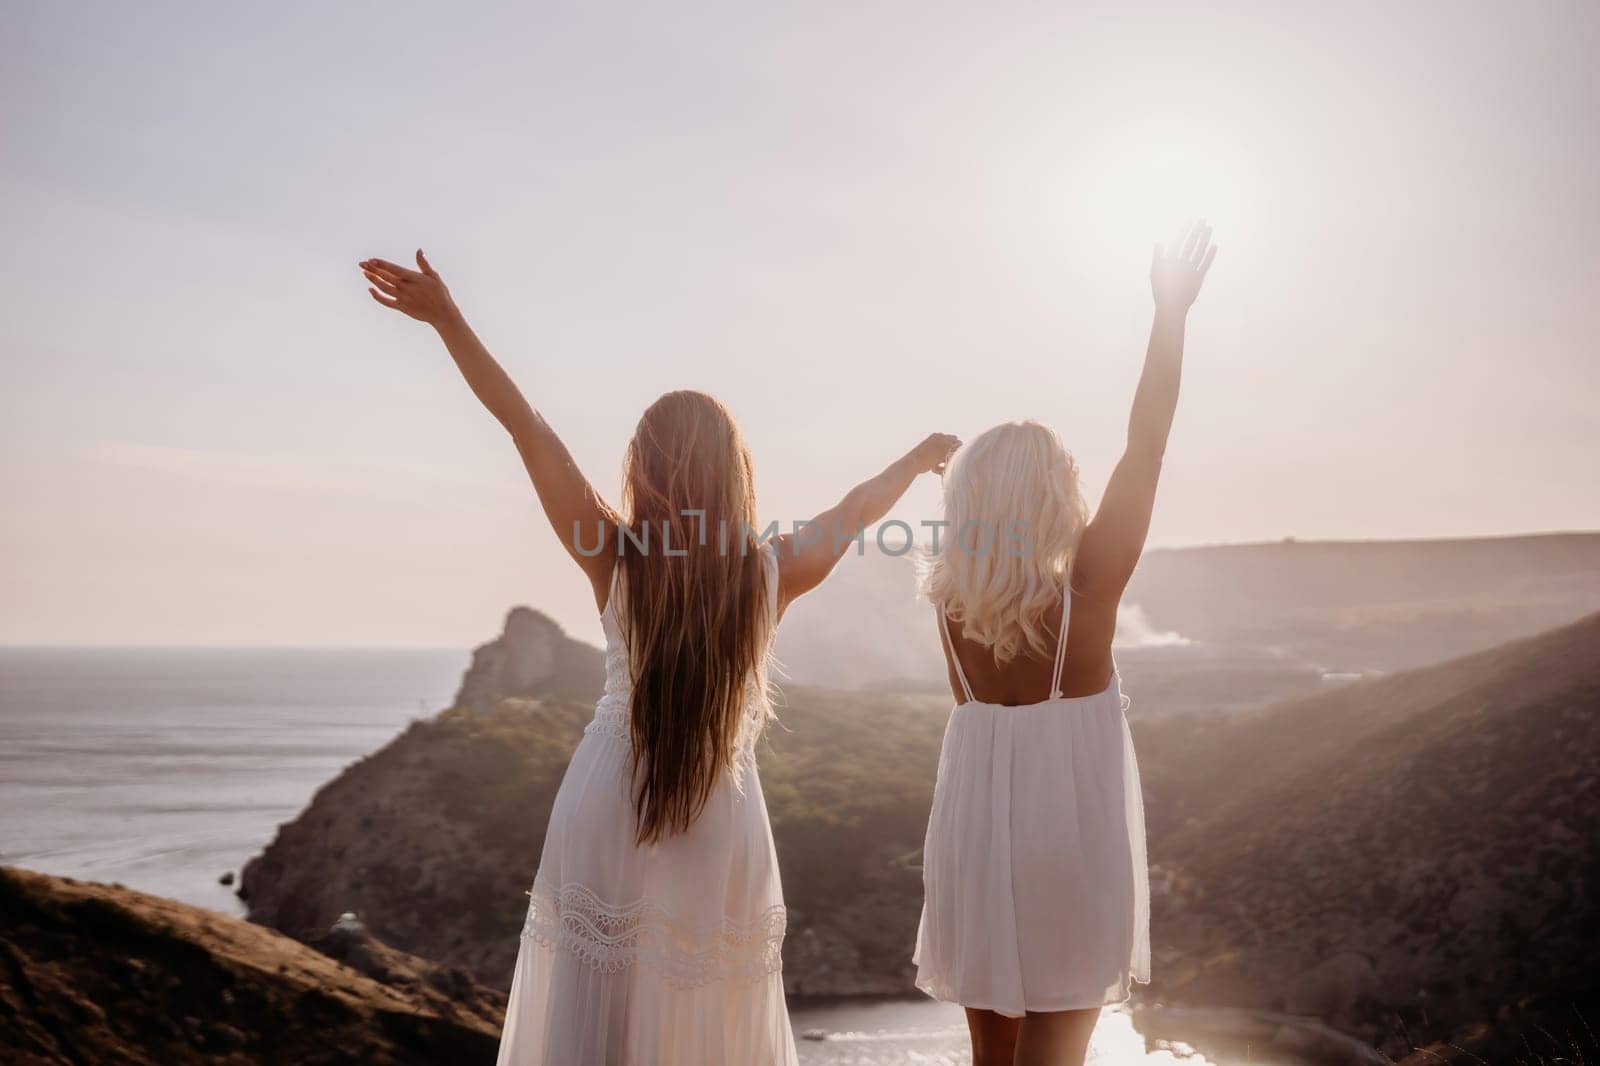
[[1177, 271], [419, 293], [805, 560], [933, 453]]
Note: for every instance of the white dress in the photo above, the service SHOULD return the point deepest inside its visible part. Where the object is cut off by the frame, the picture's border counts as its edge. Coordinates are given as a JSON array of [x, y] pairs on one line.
[[1036, 890], [666, 954]]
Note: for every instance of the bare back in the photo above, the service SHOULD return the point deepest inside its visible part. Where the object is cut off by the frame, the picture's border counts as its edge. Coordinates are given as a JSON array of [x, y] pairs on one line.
[[1086, 669]]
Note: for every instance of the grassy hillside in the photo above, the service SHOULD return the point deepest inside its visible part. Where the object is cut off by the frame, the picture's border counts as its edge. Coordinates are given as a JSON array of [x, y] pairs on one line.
[[1404, 857]]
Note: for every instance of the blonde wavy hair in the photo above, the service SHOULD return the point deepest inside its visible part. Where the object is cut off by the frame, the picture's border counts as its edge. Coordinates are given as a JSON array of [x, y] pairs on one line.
[[1015, 512]]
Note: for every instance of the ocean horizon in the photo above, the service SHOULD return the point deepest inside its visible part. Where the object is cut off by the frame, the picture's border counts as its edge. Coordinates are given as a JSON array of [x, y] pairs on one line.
[[165, 768]]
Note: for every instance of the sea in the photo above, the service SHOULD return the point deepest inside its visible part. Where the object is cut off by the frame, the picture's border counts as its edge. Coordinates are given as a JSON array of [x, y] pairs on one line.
[[166, 769]]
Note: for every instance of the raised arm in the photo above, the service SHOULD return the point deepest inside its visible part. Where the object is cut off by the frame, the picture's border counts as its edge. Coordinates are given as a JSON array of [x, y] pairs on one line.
[[576, 512], [1115, 538], [808, 555]]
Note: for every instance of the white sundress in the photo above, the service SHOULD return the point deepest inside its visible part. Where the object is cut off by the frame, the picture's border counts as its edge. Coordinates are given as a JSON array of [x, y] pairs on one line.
[[1036, 889], [665, 954]]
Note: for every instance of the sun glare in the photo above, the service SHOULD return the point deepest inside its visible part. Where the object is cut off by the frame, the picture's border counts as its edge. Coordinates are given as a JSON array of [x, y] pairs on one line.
[[1141, 183]]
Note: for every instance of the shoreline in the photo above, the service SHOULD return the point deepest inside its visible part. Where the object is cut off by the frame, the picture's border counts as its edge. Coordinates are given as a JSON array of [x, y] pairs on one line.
[[1239, 1033]]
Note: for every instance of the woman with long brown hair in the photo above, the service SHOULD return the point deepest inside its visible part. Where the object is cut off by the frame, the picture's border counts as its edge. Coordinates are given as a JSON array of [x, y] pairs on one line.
[[655, 932]]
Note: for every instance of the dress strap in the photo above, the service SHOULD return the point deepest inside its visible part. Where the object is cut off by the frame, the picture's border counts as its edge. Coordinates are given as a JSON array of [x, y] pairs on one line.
[[950, 645], [1061, 642]]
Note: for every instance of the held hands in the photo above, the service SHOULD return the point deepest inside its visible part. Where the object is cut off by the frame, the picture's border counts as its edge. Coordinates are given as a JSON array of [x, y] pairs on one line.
[[1176, 273], [420, 294], [933, 453]]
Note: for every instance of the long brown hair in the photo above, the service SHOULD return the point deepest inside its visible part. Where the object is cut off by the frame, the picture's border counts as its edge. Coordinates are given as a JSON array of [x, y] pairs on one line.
[[695, 616]]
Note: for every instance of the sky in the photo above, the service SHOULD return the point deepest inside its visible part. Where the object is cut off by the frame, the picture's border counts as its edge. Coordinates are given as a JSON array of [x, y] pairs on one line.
[[855, 223]]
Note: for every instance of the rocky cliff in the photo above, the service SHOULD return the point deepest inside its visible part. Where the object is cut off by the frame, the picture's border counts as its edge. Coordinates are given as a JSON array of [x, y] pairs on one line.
[[1404, 858], [101, 974], [532, 656]]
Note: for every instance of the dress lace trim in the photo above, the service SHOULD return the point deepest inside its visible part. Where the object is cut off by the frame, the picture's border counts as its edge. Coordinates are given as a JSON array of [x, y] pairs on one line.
[[644, 933], [609, 724]]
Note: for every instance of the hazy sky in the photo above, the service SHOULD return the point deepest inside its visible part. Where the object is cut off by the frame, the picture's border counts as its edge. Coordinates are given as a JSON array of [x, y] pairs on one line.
[[856, 223]]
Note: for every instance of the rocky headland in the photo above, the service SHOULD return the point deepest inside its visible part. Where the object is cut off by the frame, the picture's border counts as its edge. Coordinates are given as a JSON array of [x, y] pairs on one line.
[[1405, 859]]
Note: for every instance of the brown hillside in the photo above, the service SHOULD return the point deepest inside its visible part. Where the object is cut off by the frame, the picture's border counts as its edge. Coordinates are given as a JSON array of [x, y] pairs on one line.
[[1403, 857], [101, 974], [1194, 763], [1406, 855]]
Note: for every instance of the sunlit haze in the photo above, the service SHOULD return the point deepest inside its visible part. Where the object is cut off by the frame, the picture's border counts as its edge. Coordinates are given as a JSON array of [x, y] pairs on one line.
[[854, 224]]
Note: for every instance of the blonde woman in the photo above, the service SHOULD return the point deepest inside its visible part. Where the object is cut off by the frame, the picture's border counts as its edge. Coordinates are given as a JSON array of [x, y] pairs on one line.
[[655, 931], [1036, 911]]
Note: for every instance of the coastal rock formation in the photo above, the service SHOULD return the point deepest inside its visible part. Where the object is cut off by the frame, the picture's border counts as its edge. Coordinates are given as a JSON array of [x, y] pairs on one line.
[[533, 656], [96, 973], [435, 839], [1405, 858]]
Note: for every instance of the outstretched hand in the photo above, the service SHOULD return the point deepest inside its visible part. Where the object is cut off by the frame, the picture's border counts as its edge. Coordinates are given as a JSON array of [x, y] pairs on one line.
[[1177, 271], [419, 293], [933, 453]]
